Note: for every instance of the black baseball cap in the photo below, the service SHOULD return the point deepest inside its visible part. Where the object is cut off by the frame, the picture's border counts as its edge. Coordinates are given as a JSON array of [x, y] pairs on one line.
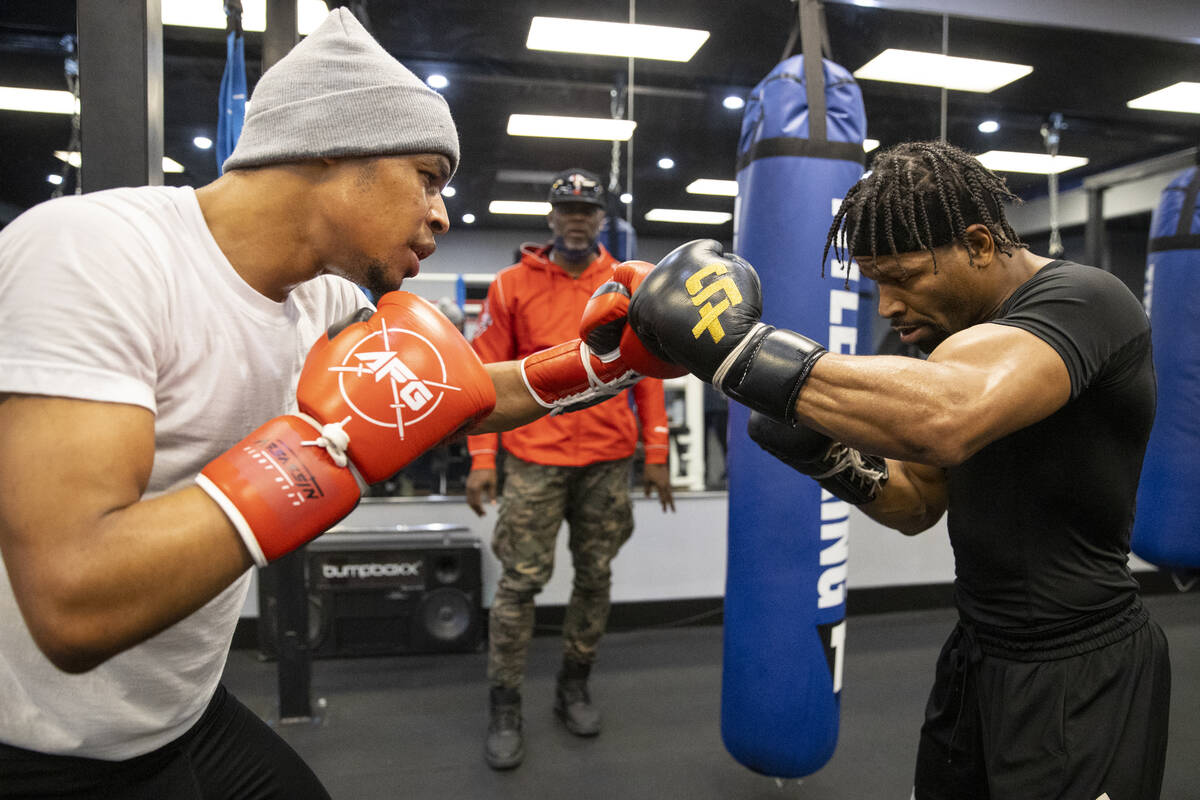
[[577, 186]]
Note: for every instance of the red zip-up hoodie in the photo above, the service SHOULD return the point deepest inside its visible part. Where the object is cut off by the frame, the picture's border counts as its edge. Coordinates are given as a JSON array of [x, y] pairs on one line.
[[535, 304]]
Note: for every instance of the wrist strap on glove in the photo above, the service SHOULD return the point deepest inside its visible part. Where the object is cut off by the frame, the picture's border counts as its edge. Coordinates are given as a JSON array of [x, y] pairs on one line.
[[767, 369], [281, 486], [569, 377]]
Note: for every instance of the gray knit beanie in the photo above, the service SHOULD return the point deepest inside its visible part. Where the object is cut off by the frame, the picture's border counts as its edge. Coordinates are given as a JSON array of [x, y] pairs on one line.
[[339, 94]]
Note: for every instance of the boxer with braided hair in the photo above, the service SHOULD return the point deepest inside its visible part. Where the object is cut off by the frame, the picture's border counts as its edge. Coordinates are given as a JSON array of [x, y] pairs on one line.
[[1027, 422]]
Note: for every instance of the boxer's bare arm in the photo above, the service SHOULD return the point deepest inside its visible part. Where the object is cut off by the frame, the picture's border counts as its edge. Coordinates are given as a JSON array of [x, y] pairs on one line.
[[94, 568], [912, 500], [979, 385], [515, 406]]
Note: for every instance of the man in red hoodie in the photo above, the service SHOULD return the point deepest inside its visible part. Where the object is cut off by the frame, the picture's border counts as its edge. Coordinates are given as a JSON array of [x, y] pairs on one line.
[[574, 467]]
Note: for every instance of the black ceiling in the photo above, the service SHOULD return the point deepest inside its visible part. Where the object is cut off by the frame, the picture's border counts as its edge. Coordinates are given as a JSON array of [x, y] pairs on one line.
[[480, 46]]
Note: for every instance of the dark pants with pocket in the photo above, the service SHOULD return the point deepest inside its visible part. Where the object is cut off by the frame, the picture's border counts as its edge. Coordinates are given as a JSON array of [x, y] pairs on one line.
[[1078, 715], [229, 754]]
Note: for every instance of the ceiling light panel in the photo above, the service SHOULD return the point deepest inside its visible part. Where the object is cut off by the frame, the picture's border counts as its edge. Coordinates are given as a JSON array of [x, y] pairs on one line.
[[73, 158], [609, 130], [1038, 163], [935, 69], [614, 39], [1183, 97], [189, 13], [713, 186], [688, 216], [518, 207], [46, 101]]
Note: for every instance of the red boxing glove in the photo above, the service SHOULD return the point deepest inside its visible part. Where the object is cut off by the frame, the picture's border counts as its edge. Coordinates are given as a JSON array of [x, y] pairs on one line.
[[378, 390], [606, 359], [398, 384], [568, 377], [604, 325]]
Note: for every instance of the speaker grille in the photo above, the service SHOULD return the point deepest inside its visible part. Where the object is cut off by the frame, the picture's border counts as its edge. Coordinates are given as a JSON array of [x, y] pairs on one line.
[[446, 615], [389, 596]]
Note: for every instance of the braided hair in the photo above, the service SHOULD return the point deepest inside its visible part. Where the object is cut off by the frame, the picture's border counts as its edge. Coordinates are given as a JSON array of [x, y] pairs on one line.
[[920, 196]]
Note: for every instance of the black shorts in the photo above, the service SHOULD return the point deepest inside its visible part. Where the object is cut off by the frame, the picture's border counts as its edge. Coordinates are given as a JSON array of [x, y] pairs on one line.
[[1080, 717], [230, 753]]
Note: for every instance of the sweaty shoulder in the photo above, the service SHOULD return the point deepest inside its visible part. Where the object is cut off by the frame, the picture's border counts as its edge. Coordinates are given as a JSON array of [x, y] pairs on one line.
[[1086, 314]]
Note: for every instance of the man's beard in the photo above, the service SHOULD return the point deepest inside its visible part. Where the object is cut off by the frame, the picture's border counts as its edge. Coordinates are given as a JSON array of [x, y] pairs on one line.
[[376, 281]]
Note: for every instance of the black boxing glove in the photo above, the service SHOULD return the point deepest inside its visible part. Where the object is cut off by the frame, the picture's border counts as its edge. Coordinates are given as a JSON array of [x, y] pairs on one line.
[[700, 308], [844, 472]]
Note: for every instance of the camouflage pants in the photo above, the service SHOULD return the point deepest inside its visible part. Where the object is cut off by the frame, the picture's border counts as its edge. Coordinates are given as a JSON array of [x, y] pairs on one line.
[[594, 501]]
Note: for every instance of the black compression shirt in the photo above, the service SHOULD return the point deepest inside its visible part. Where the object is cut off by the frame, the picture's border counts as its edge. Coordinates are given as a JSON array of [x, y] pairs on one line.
[[1040, 520]]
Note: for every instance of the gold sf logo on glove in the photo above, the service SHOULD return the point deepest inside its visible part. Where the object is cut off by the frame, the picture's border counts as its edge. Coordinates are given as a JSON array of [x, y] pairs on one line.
[[710, 315]]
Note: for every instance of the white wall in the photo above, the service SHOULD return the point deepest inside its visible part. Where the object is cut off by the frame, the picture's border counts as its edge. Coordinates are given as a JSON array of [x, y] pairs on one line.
[[670, 556], [1134, 197], [678, 556]]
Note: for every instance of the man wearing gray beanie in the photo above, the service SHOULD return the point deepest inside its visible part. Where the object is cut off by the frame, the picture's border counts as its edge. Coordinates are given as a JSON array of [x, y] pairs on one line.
[[338, 94], [143, 333]]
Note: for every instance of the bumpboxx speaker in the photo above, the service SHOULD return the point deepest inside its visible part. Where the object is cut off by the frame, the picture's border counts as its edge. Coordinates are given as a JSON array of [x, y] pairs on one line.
[[387, 591]]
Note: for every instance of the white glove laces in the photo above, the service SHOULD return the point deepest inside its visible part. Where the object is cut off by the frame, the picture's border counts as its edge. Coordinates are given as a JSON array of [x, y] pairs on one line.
[[598, 389], [332, 437], [584, 355], [843, 457], [622, 381]]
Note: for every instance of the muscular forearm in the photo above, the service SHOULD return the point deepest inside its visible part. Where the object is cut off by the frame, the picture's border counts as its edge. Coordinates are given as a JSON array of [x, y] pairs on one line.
[[893, 406], [130, 573], [979, 385], [912, 500]]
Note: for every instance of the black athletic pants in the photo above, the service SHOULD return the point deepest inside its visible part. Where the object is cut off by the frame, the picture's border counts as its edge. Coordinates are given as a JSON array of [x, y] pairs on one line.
[[1082, 716], [230, 754]]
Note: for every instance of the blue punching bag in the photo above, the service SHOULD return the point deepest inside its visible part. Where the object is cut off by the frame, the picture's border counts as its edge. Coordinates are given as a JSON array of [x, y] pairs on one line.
[[1166, 529], [786, 575]]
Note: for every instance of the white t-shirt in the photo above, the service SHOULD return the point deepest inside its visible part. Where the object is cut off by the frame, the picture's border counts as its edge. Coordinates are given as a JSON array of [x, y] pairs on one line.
[[123, 296]]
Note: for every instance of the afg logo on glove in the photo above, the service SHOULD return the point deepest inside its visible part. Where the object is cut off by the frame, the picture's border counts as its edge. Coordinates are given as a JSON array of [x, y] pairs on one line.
[[406, 376], [710, 315]]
